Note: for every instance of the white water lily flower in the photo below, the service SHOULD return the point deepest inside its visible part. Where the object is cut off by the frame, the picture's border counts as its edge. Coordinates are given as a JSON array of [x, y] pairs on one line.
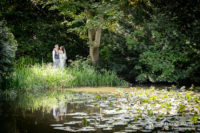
[[197, 110], [172, 100], [155, 111], [111, 112], [185, 102], [158, 106], [166, 127], [163, 111], [135, 106], [150, 126], [141, 108], [173, 112]]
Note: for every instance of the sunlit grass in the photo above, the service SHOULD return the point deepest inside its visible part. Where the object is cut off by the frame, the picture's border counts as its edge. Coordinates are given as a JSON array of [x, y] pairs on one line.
[[45, 76]]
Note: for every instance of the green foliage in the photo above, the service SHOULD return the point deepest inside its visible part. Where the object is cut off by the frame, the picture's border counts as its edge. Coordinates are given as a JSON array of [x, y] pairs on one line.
[[164, 50], [149, 112], [182, 108], [8, 46], [150, 44], [85, 122], [25, 62], [153, 41], [97, 97], [87, 75], [37, 30], [78, 10], [87, 18], [194, 119], [80, 73], [166, 105]]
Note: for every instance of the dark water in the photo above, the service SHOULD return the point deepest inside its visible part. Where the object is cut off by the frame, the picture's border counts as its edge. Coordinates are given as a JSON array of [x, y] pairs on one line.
[[18, 118], [13, 120]]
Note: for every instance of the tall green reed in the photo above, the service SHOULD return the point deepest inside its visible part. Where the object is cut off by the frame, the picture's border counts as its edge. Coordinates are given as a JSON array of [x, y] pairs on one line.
[[79, 74]]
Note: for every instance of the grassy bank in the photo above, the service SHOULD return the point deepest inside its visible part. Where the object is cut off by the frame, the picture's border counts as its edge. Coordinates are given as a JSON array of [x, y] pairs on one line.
[[78, 74]]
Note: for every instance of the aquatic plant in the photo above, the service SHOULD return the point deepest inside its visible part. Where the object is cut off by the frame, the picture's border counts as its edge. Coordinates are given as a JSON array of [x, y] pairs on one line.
[[85, 122], [194, 119], [182, 108], [150, 112], [111, 110], [166, 105], [97, 97], [135, 118]]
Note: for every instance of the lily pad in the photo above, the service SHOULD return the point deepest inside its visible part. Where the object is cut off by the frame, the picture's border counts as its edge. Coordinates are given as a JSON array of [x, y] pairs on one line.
[[56, 125], [87, 129], [77, 113], [72, 122]]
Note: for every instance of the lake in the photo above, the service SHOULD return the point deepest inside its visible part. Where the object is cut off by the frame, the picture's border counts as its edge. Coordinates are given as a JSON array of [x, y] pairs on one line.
[[116, 110]]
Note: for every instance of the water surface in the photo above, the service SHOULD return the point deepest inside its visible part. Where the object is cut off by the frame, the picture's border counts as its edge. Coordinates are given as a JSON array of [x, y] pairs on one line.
[[65, 111]]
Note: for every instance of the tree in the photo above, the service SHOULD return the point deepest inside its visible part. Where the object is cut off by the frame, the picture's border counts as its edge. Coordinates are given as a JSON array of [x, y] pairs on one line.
[[8, 47], [37, 30], [87, 17], [151, 46]]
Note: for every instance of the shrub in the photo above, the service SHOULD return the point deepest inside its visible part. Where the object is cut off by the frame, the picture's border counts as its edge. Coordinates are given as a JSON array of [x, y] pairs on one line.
[[8, 46]]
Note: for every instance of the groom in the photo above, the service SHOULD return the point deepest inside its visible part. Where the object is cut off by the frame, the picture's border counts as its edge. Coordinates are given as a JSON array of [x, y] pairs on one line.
[[55, 55]]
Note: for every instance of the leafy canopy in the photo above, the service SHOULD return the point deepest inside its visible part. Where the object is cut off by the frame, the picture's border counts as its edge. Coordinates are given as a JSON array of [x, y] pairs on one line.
[[83, 15]]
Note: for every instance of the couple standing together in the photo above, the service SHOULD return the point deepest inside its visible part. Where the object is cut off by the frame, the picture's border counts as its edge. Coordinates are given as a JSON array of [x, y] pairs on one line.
[[59, 56]]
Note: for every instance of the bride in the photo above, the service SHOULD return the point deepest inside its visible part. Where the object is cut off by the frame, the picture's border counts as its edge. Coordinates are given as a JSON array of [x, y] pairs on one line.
[[63, 56]]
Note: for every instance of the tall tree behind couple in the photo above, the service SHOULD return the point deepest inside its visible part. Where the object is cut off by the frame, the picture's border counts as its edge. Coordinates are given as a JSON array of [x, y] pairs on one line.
[[59, 57]]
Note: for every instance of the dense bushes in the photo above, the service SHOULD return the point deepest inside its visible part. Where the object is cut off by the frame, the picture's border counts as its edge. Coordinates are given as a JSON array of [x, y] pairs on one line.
[[151, 45], [7, 52], [162, 57]]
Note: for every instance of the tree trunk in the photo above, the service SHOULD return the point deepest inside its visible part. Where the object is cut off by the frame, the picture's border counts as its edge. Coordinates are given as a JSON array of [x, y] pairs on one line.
[[95, 37], [94, 55]]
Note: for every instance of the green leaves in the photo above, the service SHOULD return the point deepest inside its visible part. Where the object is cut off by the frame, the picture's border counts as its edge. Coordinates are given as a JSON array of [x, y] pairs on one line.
[[160, 46], [8, 46], [94, 12]]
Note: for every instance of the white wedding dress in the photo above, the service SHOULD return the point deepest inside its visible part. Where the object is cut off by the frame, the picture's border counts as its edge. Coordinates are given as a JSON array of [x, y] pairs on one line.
[[63, 57]]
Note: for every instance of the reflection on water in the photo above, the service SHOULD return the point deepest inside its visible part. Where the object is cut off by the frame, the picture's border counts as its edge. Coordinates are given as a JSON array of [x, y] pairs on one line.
[[31, 112], [59, 112]]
